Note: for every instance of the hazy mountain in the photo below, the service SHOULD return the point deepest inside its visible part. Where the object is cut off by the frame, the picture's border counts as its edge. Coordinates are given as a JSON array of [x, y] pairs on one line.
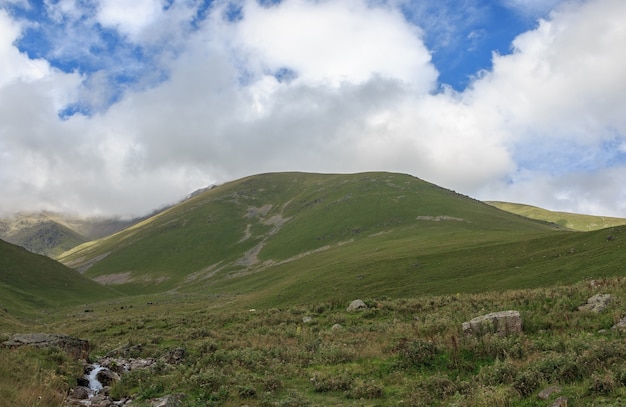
[[52, 233], [574, 221]]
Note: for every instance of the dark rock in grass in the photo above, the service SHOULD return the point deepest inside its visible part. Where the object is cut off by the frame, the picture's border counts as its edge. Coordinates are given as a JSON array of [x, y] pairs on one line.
[[74, 347], [502, 323], [107, 377], [597, 303], [175, 356], [547, 393], [80, 393], [356, 305]]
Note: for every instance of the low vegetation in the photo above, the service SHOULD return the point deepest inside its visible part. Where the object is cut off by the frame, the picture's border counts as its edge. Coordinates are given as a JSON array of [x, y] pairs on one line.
[[403, 351]]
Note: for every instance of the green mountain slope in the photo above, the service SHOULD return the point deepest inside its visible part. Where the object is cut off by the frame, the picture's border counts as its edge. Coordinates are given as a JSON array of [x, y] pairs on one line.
[[31, 283], [285, 224], [574, 221]]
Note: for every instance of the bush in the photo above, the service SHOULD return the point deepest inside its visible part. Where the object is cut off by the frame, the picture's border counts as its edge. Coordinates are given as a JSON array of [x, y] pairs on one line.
[[527, 382], [602, 384], [497, 374], [417, 353], [362, 389]]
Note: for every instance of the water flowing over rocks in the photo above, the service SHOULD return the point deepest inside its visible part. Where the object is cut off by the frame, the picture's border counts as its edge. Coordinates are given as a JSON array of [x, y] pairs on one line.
[[502, 323], [76, 348], [93, 389]]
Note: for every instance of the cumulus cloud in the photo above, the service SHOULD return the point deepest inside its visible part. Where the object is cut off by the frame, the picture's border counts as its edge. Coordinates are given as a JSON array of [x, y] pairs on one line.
[[328, 86]]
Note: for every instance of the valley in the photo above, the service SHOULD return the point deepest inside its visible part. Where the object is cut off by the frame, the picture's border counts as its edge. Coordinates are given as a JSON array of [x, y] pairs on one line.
[[251, 278]]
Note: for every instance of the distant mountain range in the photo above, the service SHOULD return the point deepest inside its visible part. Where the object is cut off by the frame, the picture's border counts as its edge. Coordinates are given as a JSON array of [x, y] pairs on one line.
[[51, 233]]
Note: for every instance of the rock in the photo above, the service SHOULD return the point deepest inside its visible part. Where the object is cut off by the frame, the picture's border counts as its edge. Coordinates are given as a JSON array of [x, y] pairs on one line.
[[80, 393], [336, 327], [546, 393], [175, 356], [621, 324], [356, 305], [76, 348], [560, 402], [171, 400], [307, 320], [597, 303], [107, 377], [502, 323]]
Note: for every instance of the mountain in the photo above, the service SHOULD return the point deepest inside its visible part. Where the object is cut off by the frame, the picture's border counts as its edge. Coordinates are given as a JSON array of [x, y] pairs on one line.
[[31, 283], [52, 233], [281, 222], [574, 221]]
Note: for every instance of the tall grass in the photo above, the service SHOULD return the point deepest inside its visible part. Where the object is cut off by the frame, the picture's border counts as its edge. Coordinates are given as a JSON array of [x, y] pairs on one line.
[[400, 351]]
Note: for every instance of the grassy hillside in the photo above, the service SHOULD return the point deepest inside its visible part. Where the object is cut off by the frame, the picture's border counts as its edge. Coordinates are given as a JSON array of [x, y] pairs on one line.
[[288, 227], [32, 283], [574, 221]]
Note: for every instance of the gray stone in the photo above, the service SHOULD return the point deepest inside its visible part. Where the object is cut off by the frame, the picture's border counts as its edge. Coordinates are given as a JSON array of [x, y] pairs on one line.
[[356, 305], [502, 323], [307, 320], [546, 393], [621, 324], [597, 303], [560, 402], [171, 400], [336, 327], [74, 347]]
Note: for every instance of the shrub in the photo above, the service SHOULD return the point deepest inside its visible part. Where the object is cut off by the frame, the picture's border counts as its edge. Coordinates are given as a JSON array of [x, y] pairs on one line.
[[323, 382], [602, 384], [527, 382], [364, 389], [501, 372], [417, 353]]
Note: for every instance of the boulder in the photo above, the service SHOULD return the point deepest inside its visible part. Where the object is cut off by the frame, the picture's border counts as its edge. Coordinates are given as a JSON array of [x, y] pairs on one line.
[[356, 305], [502, 323], [307, 320], [560, 402], [621, 324], [107, 377], [548, 392], [171, 400], [597, 303], [76, 348]]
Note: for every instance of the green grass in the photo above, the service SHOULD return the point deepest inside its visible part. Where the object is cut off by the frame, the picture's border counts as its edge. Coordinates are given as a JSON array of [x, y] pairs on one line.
[[400, 351], [203, 242], [574, 221], [31, 284]]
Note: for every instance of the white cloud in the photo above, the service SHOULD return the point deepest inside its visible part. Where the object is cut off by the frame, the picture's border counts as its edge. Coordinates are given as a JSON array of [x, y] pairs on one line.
[[333, 42], [13, 64], [129, 17], [361, 100]]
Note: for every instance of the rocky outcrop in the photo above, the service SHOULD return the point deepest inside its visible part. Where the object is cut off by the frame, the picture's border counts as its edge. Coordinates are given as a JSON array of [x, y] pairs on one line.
[[74, 347], [356, 305], [597, 303], [502, 323]]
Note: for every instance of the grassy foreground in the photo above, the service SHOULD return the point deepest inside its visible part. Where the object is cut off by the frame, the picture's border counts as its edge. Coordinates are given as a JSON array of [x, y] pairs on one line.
[[403, 351]]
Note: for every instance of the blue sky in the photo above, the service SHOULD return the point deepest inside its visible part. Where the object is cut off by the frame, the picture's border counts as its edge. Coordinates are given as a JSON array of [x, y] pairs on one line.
[[116, 107]]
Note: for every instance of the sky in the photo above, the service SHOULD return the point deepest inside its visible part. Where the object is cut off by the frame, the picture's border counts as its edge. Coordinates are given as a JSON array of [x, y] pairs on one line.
[[113, 107]]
